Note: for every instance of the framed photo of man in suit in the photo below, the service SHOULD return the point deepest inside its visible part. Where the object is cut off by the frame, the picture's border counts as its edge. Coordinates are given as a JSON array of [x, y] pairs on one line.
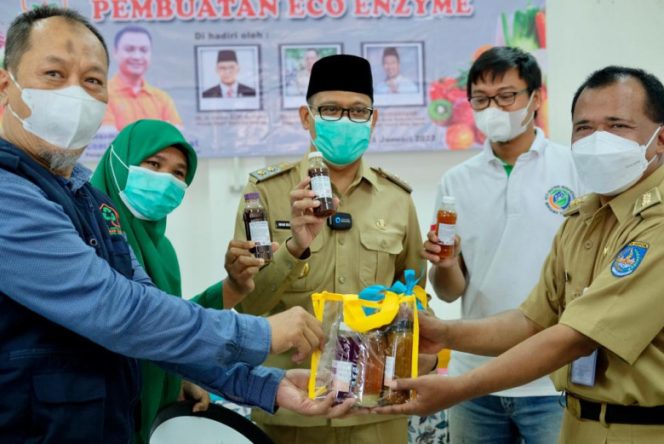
[[398, 72], [296, 62], [228, 78]]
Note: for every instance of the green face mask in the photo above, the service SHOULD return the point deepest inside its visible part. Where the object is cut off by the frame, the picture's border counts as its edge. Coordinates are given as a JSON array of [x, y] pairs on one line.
[[150, 195], [342, 141]]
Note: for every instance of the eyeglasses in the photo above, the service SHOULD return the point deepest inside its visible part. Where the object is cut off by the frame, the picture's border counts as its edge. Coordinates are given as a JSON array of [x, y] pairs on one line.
[[478, 103], [356, 114]]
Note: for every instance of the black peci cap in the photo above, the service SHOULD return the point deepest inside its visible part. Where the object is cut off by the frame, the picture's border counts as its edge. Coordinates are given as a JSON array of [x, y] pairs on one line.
[[226, 55], [342, 72]]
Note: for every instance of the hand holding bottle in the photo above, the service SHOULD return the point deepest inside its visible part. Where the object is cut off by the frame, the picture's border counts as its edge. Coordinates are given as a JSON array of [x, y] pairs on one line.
[[305, 225], [432, 249], [241, 265]]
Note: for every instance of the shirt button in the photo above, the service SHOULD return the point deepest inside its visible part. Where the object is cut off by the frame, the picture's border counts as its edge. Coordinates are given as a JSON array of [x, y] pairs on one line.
[[588, 245], [341, 241], [342, 280], [93, 242]]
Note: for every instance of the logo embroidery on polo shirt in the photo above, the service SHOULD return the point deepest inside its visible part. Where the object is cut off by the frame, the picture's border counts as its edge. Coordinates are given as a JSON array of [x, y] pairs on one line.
[[112, 218], [558, 198], [629, 259]]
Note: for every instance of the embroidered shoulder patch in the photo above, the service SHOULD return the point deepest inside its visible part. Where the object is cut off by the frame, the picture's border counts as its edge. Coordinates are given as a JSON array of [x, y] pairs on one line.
[[559, 198], [629, 259], [112, 219]]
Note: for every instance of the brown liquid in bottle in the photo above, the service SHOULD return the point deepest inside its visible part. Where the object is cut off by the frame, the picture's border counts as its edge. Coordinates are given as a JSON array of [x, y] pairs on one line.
[[445, 218], [399, 358], [326, 207], [253, 215], [374, 367]]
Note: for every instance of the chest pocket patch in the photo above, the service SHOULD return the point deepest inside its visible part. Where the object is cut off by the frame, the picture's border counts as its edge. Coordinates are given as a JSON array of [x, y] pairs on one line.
[[629, 259], [377, 256]]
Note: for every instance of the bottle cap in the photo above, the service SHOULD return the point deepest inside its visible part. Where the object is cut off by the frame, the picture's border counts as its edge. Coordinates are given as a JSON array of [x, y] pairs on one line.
[[449, 200], [252, 196], [315, 154]]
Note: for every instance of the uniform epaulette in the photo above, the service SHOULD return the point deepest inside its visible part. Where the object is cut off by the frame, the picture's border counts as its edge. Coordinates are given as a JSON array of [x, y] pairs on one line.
[[648, 199], [270, 172], [394, 179], [574, 207]]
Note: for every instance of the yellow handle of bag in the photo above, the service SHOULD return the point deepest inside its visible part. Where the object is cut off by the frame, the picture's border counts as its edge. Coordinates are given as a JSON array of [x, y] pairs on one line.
[[356, 318]]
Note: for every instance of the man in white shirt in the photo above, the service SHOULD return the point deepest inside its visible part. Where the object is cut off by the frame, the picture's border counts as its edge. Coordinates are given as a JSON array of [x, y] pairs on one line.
[[509, 202]]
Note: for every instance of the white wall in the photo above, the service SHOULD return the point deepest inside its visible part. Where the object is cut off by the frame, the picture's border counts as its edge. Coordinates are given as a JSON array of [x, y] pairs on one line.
[[583, 35], [586, 35]]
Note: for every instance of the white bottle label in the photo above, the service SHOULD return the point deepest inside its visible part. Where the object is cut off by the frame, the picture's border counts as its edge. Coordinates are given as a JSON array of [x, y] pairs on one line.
[[321, 186], [343, 372], [389, 370], [260, 232], [446, 234]]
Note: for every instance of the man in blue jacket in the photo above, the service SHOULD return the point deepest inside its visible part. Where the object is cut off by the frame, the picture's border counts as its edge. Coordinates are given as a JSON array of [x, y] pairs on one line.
[[76, 309]]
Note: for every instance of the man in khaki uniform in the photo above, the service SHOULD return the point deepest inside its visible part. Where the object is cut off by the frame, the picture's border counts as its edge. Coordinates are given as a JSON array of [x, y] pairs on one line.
[[384, 239], [594, 320]]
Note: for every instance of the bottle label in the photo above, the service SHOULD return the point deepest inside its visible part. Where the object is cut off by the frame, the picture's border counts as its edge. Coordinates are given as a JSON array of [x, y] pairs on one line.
[[343, 373], [260, 232], [389, 370], [321, 186], [446, 234]]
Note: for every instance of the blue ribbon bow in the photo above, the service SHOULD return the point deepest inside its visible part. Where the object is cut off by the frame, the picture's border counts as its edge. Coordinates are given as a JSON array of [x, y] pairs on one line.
[[376, 293]]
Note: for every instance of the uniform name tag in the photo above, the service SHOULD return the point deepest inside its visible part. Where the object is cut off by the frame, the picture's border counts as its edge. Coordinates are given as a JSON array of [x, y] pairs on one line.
[[282, 225], [583, 370]]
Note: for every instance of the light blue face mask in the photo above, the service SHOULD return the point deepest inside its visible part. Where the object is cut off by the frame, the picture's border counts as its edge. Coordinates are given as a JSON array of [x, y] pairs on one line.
[[150, 195], [341, 142]]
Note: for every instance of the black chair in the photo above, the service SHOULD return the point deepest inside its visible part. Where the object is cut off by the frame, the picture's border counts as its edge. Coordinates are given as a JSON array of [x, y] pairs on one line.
[[177, 424]]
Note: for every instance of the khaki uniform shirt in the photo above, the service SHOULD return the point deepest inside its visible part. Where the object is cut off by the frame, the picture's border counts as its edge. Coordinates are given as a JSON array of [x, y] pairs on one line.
[[609, 286], [384, 241]]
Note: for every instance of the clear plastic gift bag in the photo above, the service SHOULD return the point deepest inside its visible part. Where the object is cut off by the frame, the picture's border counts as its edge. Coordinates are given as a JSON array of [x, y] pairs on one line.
[[371, 339]]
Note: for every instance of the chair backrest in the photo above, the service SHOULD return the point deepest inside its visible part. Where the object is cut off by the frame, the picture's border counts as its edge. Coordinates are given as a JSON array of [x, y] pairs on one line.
[[177, 424]]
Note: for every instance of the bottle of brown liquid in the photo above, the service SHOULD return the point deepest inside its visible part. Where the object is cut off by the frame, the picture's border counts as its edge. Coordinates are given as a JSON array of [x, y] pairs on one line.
[[320, 184], [446, 227], [398, 359], [373, 368], [345, 365], [257, 227]]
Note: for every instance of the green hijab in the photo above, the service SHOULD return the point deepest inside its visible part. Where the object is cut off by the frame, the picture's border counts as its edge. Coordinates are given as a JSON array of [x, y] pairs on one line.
[[135, 143]]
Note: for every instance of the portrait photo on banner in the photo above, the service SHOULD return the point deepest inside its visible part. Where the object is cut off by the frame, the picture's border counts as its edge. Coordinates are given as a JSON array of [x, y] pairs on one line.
[[227, 77], [296, 61], [398, 72]]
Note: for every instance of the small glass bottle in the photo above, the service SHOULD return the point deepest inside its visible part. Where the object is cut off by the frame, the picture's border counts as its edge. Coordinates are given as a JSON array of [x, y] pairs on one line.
[[344, 367], [372, 372], [398, 359], [446, 227], [320, 184], [256, 227]]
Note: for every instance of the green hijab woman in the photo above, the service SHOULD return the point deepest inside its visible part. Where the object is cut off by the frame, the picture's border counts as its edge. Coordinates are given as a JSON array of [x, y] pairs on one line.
[[145, 172]]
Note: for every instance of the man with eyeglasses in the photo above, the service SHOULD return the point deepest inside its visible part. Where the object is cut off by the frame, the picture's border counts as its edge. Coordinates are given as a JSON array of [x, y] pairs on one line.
[[509, 200], [381, 242]]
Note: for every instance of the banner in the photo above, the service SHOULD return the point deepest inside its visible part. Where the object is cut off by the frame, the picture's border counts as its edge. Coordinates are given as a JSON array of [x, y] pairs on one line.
[[232, 74]]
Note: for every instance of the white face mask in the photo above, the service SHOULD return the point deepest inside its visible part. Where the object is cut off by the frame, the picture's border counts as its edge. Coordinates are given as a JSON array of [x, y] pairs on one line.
[[67, 118], [499, 125], [608, 164]]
